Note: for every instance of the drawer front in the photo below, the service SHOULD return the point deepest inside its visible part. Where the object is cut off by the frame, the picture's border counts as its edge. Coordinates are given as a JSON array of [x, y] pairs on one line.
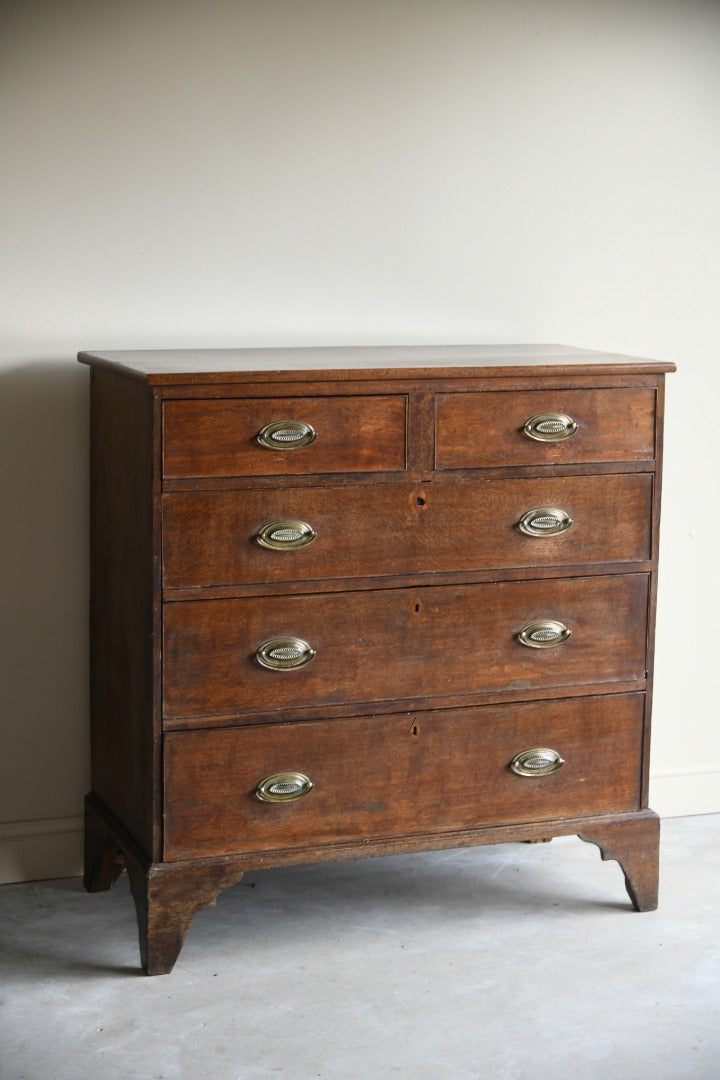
[[482, 430], [214, 538], [400, 774], [220, 438], [407, 644]]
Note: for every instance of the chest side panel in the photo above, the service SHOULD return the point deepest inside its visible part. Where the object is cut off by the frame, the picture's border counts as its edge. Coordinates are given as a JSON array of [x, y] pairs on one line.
[[125, 747]]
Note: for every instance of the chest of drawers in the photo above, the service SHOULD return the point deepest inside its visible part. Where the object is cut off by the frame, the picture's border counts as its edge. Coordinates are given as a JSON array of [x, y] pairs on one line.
[[348, 602]]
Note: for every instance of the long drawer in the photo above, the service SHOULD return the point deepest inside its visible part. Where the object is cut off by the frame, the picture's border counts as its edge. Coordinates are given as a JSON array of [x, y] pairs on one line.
[[399, 774], [482, 430], [284, 436], [382, 645], [216, 537]]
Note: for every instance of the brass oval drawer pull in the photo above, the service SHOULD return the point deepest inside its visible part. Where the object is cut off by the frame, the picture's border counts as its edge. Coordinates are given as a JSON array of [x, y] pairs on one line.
[[284, 787], [549, 427], [284, 653], [286, 435], [544, 634], [544, 521], [540, 761], [285, 535]]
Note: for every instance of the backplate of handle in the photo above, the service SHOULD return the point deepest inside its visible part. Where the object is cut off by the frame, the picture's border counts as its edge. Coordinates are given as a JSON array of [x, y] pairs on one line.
[[538, 761], [544, 521], [284, 787], [550, 427], [543, 634], [286, 435], [286, 534], [284, 653]]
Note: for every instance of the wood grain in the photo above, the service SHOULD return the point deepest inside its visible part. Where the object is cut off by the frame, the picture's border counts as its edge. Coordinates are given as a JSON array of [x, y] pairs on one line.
[[381, 776], [412, 594], [401, 643], [485, 430], [209, 538], [124, 739], [167, 898], [198, 367], [635, 844], [168, 894], [218, 438]]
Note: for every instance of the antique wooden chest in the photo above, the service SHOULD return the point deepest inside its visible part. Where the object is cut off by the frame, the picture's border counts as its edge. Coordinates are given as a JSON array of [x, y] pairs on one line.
[[351, 601]]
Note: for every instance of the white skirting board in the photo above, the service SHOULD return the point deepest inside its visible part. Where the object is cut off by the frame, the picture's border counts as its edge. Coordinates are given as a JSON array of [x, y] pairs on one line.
[[47, 848], [52, 847], [692, 789]]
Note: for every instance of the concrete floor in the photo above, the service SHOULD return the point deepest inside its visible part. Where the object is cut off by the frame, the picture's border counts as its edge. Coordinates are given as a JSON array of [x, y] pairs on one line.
[[517, 961]]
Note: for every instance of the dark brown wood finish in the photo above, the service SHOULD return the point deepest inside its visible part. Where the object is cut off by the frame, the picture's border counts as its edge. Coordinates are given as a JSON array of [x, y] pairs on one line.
[[201, 367], [412, 593], [375, 647], [635, 844], [218, 438], [652, 598], [210, 538], [104, 857], [394, 775], [485, 430], [166, 898], [125, 752]]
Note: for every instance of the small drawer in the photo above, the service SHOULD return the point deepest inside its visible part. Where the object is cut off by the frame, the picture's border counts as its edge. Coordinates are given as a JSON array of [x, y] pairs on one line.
[[283, 436], [377, 646], [369, 777], [311, 533], [544, 427]]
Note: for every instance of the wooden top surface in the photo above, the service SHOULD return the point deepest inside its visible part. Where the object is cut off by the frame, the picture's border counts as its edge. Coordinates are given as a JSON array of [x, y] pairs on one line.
[[182, 366]]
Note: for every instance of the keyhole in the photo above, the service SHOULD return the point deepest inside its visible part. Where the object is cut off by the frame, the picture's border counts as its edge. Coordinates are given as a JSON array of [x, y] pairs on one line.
[[420, 500], [414, 729], [417, 607]]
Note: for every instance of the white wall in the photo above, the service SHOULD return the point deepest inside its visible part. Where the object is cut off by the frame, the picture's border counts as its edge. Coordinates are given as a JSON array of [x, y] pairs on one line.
[[335, 171]]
